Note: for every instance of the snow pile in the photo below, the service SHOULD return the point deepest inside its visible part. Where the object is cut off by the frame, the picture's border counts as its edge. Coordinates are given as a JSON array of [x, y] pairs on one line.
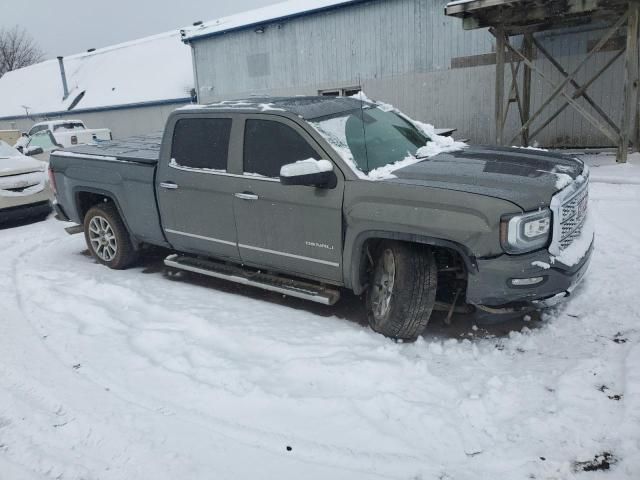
[[538, 149], [138, 374], [562, 180], [604, 168], [438, 143], [305, 167]]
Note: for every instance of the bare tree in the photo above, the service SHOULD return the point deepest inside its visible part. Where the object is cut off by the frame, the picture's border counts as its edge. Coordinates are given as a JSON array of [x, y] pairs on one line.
[[17, 49]]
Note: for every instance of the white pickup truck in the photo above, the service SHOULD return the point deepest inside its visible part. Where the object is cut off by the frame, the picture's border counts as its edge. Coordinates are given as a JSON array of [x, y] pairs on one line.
[[49, 135], [71, 132]]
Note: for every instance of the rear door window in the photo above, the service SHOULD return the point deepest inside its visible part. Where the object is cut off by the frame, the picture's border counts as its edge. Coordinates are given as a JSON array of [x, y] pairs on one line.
[[201, 143], [268, 145]]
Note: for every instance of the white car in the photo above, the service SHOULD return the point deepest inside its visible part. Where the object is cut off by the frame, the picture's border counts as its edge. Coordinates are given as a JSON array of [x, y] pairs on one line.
[[24, 190]]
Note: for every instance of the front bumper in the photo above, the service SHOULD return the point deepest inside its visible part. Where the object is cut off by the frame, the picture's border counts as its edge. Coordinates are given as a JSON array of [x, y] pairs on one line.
[[23, 212], [491, 285]]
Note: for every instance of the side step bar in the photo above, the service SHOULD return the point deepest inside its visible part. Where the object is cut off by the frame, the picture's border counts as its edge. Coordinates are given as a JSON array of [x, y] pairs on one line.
[[255, 278]]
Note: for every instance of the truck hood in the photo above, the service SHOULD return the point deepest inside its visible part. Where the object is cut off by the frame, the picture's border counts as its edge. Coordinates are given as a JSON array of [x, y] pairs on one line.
[[526, 177], [19, 165]]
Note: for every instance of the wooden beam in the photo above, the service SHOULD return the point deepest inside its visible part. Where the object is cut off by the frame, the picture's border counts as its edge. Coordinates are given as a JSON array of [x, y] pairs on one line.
[[581, 91], [514, 89], [578, 93], [527, 48], [500, 44], [611, 135], [559, 89], [630, 80]]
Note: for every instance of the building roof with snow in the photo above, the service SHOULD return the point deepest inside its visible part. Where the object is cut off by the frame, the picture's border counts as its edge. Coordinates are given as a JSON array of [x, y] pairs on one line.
[[253, 18], [147, 71]]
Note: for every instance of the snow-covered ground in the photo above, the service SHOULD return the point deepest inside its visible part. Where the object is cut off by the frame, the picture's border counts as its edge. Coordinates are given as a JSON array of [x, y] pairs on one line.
[[145, 375]]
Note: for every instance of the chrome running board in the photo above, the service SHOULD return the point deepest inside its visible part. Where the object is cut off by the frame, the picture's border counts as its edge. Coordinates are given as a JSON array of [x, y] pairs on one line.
[[255, 278]]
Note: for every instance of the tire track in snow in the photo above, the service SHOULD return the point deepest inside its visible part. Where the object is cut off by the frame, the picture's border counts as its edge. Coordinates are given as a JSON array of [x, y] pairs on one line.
[[311, 451]]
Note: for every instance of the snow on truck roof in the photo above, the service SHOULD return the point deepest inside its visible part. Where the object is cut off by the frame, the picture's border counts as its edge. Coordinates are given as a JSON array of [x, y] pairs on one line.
[[279, 11], [151, 69], [308, 108]]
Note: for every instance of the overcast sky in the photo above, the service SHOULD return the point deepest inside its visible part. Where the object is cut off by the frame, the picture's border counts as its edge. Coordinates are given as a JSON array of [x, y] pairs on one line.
[[63, 27]]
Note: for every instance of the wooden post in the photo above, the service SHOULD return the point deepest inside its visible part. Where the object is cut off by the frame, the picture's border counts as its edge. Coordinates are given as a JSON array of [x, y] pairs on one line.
[[636, 132], [630, 80], [499, 34], [527, 48]]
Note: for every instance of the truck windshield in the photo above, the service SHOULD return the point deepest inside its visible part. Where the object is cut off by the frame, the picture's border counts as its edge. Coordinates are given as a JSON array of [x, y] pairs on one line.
[[7, 151], [370, 137]]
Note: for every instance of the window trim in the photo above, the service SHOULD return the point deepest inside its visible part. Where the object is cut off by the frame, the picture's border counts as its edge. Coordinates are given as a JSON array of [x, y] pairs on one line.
[[313, 144], [223, 174], [187, 168], [341, 91]]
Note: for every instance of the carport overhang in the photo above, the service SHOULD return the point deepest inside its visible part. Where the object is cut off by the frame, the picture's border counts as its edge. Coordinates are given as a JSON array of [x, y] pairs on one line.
[[509, 18]]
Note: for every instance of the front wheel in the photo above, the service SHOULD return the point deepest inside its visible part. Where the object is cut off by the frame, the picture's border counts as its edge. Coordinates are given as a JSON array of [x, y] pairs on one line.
[[402, 289], [107, 237]]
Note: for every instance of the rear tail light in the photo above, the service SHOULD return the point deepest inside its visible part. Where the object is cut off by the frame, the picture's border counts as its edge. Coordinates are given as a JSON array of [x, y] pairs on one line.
[[74, 140], [52, 181]]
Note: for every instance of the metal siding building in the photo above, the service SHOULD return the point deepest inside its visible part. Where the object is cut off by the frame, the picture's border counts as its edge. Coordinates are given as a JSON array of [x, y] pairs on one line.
[[405, 52]]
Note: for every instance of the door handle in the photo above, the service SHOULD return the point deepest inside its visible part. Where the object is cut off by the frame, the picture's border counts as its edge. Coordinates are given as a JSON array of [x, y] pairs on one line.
[[246, 196], [169, 185]]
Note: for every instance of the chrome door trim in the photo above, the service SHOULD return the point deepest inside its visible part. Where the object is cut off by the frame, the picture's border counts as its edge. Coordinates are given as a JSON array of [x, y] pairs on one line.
[[246, 176], [200, 237], [169, 185], [290, 255]]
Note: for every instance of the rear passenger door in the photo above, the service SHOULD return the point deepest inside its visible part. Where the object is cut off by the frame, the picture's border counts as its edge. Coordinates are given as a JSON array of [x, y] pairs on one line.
[[295, 229], [194, 195]]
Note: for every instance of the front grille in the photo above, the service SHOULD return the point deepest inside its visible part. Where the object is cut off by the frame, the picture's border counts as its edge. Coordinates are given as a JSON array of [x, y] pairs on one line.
[[21, 189], [572, 216]]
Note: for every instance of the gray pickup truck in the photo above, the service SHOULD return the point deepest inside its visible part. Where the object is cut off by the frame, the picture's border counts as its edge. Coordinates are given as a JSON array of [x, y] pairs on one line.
[[286, 194]]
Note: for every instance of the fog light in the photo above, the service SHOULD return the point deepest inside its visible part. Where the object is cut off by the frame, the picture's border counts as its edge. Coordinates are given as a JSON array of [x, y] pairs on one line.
[[523, 282]]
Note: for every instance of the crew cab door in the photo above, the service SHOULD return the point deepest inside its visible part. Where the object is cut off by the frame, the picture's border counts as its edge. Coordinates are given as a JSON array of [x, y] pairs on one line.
[[195, 197], [295, 229]]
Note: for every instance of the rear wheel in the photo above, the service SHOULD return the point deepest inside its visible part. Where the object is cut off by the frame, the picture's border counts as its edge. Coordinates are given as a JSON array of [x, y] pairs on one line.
[[107, 237], [402, 289]]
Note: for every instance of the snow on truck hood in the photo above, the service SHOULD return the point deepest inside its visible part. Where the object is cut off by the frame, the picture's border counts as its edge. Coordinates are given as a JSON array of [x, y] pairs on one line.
[[17, 165]]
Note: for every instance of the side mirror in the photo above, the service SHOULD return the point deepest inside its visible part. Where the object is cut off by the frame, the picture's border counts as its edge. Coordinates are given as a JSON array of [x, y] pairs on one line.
[[31, 151], [311, 173], [20, 148]]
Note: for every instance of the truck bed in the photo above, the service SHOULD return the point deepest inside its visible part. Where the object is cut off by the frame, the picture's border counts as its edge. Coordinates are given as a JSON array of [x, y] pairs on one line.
[[123, 170], [139, 149]]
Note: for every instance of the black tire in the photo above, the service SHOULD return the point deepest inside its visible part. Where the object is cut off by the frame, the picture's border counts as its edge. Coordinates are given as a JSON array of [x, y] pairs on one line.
[[107, 238], [412, 292]]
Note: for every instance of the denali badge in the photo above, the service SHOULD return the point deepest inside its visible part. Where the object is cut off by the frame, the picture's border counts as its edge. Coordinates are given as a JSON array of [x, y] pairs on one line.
[[319, 245]]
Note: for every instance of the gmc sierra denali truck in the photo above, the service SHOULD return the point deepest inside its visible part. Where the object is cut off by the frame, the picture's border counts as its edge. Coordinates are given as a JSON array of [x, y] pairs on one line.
[[310, 195]]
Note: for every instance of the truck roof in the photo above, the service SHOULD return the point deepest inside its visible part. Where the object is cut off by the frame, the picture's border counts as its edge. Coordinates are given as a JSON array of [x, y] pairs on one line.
[[146, 148], [308, 108]]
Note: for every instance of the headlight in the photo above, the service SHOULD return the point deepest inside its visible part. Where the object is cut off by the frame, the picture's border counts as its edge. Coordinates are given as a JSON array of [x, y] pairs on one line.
[[525, 232]]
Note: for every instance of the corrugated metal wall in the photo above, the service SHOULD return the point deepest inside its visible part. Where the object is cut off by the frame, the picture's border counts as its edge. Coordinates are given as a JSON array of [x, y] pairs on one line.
[[406, 52]]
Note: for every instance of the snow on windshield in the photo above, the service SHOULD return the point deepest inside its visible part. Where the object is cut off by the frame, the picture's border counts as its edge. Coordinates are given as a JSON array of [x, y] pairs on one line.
[[334, 130]]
